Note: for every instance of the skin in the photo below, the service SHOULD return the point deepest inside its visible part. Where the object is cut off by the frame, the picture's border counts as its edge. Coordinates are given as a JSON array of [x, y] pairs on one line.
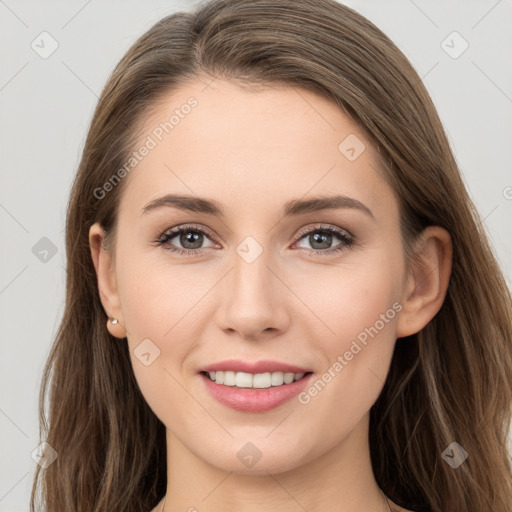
[[252, 151]]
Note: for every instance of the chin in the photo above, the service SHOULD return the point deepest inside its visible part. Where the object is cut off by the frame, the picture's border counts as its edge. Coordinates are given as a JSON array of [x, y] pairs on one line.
[[257, 457]]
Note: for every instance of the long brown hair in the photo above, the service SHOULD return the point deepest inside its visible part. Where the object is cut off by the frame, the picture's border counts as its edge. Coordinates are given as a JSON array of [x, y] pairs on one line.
[[451, 382]]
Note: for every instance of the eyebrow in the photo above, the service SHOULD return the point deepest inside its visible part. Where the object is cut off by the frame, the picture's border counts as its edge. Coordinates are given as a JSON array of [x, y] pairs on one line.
[[291, 208]]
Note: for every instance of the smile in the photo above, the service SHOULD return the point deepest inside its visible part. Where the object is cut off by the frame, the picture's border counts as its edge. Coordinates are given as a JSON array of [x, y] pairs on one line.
[[255, 381], [254, 393]]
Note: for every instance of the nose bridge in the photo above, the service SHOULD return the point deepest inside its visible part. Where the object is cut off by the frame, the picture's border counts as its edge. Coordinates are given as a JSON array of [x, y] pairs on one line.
[[251, 279], [251, 300]]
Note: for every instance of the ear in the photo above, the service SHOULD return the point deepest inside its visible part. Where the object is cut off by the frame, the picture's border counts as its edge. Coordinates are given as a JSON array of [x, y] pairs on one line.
[[427, 282], [105, 271]]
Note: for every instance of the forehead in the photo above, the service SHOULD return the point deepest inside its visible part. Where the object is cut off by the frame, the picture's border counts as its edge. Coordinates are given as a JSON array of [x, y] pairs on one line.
[[252, 147]]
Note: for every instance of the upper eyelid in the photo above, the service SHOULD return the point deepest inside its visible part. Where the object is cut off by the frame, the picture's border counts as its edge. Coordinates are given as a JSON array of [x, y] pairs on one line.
[[182, 227], [322, 226]]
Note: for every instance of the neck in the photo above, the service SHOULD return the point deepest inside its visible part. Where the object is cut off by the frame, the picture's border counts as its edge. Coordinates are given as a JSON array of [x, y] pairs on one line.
[[341, 479]]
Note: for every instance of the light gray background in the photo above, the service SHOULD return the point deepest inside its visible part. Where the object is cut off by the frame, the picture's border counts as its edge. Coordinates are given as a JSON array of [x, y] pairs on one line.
[[46, 105]]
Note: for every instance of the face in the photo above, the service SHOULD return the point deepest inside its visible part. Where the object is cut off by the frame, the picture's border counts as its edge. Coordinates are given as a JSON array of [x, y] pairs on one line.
[[261, 281]]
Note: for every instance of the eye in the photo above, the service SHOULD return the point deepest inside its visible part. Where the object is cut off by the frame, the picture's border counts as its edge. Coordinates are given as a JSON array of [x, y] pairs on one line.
[[190, 237], [321, 237]]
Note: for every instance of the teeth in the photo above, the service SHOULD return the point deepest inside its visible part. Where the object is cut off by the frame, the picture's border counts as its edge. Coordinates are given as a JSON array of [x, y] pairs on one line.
[[250, 380]]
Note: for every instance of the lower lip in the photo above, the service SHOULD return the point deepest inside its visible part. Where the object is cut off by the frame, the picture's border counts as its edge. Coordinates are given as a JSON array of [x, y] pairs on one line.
[[254, 400]]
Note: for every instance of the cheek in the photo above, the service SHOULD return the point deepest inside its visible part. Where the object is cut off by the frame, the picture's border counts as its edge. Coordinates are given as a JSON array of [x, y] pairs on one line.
[[157, 295], [358, 309], [349, 300], [366, 304], [159, 304]]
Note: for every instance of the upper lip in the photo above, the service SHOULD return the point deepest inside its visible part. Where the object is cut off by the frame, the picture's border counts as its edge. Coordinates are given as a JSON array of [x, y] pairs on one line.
[[253, 367]]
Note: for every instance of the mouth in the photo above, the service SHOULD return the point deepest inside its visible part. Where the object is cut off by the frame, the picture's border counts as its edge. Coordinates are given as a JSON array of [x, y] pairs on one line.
[[258, 388], [245, 380]]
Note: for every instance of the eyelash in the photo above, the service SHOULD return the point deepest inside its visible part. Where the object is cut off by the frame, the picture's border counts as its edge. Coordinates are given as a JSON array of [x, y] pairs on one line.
[[347, 241]]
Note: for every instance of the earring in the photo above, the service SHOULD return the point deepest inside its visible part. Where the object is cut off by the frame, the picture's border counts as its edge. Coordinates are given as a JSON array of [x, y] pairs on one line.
[[114, 321]]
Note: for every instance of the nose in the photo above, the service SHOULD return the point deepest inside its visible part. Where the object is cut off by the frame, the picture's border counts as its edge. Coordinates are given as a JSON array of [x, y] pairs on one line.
[[252, 300]]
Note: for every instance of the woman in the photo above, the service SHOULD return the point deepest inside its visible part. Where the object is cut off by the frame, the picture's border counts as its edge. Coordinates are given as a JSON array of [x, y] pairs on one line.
[[279, 294]]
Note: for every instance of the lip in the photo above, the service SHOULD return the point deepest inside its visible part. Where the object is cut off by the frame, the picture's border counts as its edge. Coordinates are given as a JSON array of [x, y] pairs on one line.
[[254, 367], [254, 400]]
